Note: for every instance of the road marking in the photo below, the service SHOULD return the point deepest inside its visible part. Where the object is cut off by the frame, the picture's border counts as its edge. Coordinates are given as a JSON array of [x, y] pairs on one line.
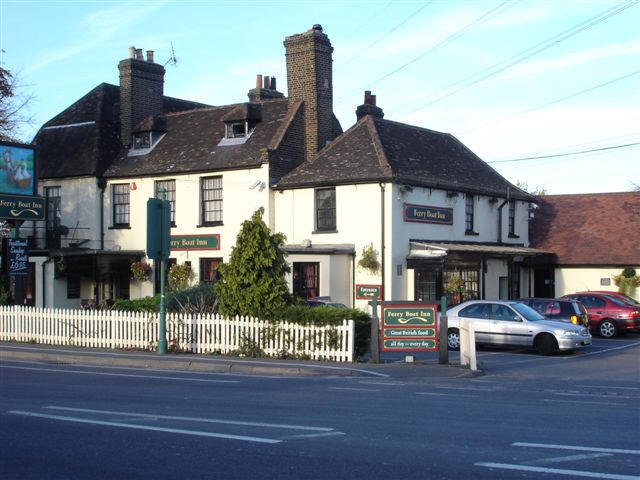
[[146, 427], [129, 375], [311, 435], [355, 389], [584, 402], [569, 458], [558, 471], [194, 419], [610, 349], [473, 389], [383, 383], [607, 386], [565, 394], [573, 447], [436, 394]]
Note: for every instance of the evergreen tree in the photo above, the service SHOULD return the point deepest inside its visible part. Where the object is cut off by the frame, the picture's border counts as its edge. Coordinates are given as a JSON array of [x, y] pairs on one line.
[[253, 281]]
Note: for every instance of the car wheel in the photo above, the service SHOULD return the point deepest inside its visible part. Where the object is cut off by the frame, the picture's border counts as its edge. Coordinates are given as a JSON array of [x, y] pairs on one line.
[[607, 329], [545, 344], [453, 339]]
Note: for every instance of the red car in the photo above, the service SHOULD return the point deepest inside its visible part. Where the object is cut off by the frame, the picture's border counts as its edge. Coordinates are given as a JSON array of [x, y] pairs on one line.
[[608, 315], [625, 298]]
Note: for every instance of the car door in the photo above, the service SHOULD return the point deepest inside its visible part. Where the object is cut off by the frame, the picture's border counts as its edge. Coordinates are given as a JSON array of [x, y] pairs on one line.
[[595, 308], [478, 313], [507, 327]]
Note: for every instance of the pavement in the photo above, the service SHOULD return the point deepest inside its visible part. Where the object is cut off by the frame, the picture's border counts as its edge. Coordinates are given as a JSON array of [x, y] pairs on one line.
[[424, 367]]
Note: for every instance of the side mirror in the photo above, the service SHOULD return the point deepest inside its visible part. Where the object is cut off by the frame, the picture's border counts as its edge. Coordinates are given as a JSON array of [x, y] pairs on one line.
[[516, 318]]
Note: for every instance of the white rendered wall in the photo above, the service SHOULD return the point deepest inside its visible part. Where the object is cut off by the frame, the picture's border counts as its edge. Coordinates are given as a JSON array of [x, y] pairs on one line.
[[570, 280]]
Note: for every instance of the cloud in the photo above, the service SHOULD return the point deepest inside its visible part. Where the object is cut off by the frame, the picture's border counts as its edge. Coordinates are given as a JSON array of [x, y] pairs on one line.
[[98, 27]]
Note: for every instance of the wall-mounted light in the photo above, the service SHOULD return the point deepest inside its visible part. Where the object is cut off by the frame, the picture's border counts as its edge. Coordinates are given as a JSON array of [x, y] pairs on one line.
[[133, 186]]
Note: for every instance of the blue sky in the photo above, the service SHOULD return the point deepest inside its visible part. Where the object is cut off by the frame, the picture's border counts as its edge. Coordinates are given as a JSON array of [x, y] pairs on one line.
[[510, 79]]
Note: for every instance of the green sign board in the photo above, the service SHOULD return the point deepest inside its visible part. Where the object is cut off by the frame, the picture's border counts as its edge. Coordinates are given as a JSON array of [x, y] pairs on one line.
[[409, 344], [21, 207], [428, 214], [195, 242], [367, 292], [409, 326], [407, 316]]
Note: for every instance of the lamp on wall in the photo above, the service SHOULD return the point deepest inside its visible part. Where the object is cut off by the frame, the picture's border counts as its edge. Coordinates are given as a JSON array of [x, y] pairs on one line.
[[133, 186], [259, 184]]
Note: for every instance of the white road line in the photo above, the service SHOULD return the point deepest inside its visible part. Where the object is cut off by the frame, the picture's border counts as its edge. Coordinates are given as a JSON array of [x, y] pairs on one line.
[[574, 447], [436, 394], [311, 435], [558, 471], [146, 427], [355, 389], [613, 397], [610, 349], [608, 386], [568, 458], [391, 384], [473, 389], [194, 419], [57, 370], [584, 402]]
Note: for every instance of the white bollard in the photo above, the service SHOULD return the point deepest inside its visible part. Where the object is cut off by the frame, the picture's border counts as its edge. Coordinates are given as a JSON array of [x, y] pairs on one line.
[[467, 344]]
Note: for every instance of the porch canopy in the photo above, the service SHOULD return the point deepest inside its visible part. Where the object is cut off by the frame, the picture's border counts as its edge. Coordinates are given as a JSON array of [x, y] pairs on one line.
[[425, 252], [98, 264]]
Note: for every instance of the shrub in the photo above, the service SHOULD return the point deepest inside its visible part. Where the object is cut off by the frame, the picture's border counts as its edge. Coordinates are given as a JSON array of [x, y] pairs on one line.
[[198, 299], [368, 259], [146, 304], [627, 281]]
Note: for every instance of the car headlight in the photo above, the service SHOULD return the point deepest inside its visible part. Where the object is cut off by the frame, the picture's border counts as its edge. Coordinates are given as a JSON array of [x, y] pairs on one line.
[[571, 333]]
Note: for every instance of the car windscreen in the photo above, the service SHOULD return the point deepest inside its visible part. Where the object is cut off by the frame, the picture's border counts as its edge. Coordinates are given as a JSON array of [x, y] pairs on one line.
[[527, 312]]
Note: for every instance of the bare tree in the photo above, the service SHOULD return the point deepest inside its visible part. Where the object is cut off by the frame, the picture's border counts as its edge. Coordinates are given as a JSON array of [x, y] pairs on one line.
[[13, 105]]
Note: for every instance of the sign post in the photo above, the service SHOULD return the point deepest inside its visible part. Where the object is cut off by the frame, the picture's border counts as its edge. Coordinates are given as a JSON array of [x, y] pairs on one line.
[[158, 241], [375, 335], [443, 351]]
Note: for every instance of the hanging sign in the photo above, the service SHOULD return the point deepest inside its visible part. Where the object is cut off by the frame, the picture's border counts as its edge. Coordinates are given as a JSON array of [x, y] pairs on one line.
[[427, 214], [367, 292], [195, 242]]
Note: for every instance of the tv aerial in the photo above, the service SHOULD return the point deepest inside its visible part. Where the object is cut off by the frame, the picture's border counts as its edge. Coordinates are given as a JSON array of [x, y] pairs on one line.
[[173, 60]]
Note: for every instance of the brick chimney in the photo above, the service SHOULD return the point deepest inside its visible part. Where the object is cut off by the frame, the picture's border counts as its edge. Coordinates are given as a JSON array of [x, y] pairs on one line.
[[141, 91], [265, 89], [369, 107], [310, 79]]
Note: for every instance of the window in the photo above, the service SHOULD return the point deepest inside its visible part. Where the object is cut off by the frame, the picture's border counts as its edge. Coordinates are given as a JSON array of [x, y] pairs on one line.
[[503, 313], [468, 217], [120, 204], [306, 279], [512, 218], [166, 189], [53, 216], [209, 269], [73, 287], [211, 194], [471, 290], [236, 130], [326, 209], [141, 140]]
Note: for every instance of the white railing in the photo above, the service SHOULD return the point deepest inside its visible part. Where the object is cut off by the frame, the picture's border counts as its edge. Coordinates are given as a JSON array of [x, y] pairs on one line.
[[206, 333]]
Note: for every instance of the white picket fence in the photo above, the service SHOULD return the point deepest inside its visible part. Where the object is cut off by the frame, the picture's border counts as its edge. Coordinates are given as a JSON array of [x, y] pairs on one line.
[[206, 333]]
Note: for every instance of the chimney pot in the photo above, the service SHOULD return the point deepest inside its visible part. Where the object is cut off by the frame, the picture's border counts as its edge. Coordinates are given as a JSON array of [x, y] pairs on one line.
[[373, 100], [267, 82], [138, 54], [132, 52], [258, 81], [150, 56], [317, 27], [273, 83]]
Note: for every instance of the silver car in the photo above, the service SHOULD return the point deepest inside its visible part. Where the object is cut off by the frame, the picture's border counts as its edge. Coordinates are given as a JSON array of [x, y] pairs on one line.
[[499, 322]]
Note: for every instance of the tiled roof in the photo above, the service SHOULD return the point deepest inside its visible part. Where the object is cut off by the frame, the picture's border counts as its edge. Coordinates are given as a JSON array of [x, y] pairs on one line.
[[84, 138], [375, 149], [192, 138], [589, 229]]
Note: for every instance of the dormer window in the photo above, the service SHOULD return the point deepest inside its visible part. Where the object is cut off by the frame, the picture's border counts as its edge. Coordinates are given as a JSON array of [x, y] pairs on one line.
[[236, 130], [141, 140]]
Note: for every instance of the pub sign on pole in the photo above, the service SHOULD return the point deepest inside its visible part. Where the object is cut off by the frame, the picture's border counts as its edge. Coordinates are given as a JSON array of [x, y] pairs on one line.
[[409, 327]]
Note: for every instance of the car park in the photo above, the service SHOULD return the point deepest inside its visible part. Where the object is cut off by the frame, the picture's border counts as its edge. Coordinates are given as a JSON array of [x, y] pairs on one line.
[[497, 322], [608, 316], [570, 311]]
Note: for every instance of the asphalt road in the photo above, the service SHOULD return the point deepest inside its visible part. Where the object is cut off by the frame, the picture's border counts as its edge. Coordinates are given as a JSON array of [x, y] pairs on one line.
[[567, 416]]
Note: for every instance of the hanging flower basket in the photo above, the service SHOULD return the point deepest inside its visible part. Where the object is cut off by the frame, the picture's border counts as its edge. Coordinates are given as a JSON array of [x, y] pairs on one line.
[[141, 271]]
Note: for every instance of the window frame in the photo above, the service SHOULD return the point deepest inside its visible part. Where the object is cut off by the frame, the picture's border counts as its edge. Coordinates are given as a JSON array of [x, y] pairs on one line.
[[300, 287], [212, 201], [228, 130], [321, 226], [56, 206], [170, 196], [216, 261], [141, 135], [74, 290], [512, 219], [469, 215], [125, 215]]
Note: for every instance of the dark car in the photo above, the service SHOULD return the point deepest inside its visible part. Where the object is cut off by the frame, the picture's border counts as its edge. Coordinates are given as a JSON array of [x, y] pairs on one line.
[[570, 311], [608, 315]]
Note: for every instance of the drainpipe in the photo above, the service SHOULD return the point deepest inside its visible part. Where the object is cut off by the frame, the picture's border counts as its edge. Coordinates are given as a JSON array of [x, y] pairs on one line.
[[500, 214], [353, 280], [102, 185], [384, 290]]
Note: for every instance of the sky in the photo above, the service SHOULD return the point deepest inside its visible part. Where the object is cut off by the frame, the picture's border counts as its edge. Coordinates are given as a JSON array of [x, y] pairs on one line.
[[510, 79]]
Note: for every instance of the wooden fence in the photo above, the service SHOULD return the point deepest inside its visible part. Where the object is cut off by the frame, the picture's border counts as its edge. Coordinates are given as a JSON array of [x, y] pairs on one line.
[[205, 333]]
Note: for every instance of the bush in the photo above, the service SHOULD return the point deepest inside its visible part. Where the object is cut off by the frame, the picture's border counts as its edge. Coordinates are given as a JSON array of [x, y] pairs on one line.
[[330, 316], [146, 304], [199, 299]]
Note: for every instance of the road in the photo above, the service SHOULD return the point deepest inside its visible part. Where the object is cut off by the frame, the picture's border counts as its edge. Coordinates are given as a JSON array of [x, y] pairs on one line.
[[567, 416]]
